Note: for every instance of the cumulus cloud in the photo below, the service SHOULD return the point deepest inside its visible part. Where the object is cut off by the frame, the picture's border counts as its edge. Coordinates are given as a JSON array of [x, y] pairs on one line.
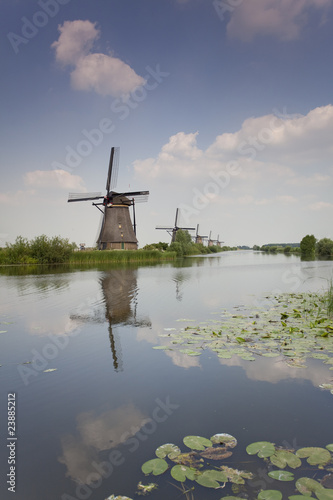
[[280, 19], [105, 74], [56, 179], [273, 164]]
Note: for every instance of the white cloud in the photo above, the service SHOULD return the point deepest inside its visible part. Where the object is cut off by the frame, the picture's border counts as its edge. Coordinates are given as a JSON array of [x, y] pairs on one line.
[[105, 74], [75, 41], [56, 179], [281, 19], [180, 157], [321, 205]]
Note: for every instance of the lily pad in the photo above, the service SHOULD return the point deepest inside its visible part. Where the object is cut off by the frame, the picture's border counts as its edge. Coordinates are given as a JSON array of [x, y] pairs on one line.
[[307, 486], [50, 370], [324, 494], [197, 442], [170, 450], [226, 439], [145, 489], [181, 473], [330, 447], [270, 495], [117, 497], [211, 478], [281, 458], [281, 475], [155, 466], [316, 456], [263, 449]]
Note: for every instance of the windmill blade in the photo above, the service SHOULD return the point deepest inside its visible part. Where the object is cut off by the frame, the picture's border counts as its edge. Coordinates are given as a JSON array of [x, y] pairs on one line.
[[138, 196], [135, 193], [108, 179], [164, 228], [187, 228], [84, 196], [176, 219], [197, 230], [113, 169]]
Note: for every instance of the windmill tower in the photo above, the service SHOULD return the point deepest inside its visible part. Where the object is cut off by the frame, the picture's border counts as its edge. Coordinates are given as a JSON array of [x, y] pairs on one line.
[[117, 231], [173, 230], [210, 241], [198, 238]]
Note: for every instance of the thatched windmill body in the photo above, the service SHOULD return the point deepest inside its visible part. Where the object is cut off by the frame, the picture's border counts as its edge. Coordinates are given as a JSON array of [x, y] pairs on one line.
[[117, 230], [173, 230]]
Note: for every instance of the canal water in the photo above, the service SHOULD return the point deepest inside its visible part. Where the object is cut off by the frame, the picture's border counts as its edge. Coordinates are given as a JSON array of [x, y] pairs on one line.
[[94, 398]]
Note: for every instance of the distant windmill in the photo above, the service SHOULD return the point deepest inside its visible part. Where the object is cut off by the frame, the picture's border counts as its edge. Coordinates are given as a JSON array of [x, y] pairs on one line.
[[218, 242], [199, 238], [173, 230], [210, 241], [116, 230]]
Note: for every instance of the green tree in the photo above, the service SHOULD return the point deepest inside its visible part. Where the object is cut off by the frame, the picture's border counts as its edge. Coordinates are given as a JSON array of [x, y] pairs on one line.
[[325, 247], [308, 245]]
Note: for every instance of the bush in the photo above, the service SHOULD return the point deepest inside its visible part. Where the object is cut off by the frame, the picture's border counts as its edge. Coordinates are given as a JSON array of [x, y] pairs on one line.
[[308, 245], [325, 247]]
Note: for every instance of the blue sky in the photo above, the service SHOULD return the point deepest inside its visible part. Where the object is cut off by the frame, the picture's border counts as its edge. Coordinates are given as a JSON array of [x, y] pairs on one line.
[[222, 108]]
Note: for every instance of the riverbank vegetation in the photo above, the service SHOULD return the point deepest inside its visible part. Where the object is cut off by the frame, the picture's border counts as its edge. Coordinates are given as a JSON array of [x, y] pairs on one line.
[[183, 245], [309, 247]]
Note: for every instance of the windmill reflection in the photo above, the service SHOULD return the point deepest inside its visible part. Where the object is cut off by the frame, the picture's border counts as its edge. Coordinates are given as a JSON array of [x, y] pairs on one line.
[[120, 297]]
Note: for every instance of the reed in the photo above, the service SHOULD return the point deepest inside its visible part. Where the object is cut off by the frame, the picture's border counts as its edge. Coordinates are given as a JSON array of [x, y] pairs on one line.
[[105, 256], [330, 299]]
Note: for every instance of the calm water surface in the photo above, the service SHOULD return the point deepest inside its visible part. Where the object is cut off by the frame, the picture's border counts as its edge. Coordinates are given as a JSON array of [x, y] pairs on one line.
[[112, 399]]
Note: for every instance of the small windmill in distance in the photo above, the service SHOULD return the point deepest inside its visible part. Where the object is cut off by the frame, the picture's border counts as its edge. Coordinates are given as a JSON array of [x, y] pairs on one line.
[[116, 230], [173, 230], [198, 238]]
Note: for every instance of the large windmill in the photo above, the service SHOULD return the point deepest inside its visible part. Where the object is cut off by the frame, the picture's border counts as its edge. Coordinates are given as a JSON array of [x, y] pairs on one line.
[[173, 230], [117, 231], [198, 238]]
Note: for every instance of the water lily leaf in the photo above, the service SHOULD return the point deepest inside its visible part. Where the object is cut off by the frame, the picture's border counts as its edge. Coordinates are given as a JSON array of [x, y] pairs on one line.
[[281, 475], [197, 442], [270, 495], [182, 472], [3, 331], [324, 494], [297, 497], [169, 449], [165, 347], [226, 439], [261, 448], [316, 456], [307, 486], [155, 466], [211, 478], [281, 458], [189, 459], [50, 370], [330, 447]]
